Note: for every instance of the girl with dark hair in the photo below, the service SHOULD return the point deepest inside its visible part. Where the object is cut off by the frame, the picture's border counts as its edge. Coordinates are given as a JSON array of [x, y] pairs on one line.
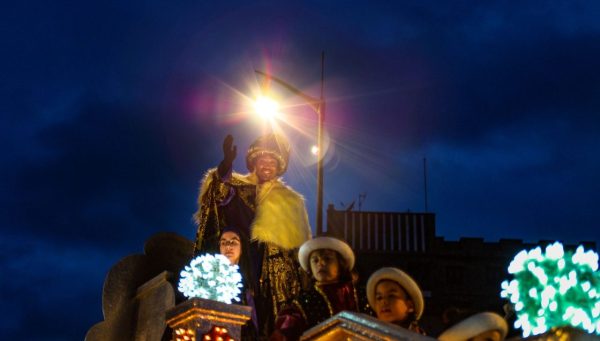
[[330, 262], [232, 244], [396, 298]]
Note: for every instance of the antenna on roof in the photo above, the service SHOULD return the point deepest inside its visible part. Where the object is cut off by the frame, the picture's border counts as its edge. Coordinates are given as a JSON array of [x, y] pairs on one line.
[[351, 206], [361, 199]]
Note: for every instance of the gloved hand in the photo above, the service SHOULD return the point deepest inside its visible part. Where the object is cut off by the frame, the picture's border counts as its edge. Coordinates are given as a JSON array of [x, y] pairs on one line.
[[229, 154]]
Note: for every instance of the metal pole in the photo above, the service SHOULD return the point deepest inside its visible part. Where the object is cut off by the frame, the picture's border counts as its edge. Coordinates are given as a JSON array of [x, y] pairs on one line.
[[425, 182]]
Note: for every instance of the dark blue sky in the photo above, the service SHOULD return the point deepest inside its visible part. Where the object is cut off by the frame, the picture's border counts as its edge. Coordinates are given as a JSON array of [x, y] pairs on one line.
[[112, 111]]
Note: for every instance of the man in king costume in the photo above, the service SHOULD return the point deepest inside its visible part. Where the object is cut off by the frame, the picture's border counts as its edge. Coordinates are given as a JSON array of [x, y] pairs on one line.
[[272, 216]]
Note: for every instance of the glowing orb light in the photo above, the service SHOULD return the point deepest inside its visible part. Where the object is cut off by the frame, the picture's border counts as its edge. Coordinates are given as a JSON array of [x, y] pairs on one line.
[[556, 288], [314, 150], [211, 277], [266, 107]]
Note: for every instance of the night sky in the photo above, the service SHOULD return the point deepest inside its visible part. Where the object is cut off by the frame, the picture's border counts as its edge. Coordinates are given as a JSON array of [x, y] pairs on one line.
[[113, 110]]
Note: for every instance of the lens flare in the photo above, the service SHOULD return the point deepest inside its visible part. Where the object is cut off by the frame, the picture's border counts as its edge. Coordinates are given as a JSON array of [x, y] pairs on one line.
[[314, 150], [266, 107]]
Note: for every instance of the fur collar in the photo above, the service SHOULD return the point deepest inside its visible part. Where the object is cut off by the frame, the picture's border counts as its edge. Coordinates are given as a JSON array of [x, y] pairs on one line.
[[280, 217]]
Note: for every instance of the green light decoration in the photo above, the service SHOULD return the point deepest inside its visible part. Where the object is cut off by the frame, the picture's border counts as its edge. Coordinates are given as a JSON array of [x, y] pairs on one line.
[[554, 289]]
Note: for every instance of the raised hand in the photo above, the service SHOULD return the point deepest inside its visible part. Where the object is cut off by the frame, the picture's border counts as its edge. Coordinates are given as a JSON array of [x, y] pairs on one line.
[[229, 150], [229, 154]]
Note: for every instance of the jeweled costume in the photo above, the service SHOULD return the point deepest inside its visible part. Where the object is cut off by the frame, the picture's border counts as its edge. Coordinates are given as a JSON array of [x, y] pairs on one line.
[[317, 304], [270, 214]]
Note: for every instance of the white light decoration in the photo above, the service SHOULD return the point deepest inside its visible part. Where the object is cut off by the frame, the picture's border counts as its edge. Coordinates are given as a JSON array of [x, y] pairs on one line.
[[211, 277], [555, 289]]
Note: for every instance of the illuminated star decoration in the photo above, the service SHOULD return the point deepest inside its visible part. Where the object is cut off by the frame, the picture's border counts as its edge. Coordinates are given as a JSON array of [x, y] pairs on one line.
[[211, 277], [554, 289], [217, 333]]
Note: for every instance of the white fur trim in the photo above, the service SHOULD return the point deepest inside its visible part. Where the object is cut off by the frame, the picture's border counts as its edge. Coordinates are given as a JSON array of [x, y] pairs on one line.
[[404, 280], [208, 177], [325, 243], [475, 325], [206, 181]]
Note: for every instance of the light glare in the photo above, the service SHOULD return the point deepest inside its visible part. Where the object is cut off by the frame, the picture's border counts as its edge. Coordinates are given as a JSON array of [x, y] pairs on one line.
[[314, 150], [266, 107]]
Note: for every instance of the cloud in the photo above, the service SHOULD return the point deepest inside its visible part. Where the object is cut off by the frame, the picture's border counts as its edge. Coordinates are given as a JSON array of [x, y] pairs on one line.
[[50, 284], [109, 172], [517, 184], [113, 111]]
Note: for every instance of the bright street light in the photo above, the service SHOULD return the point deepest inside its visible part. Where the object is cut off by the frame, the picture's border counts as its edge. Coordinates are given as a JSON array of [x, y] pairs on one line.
[[266, 107], [318, 105]]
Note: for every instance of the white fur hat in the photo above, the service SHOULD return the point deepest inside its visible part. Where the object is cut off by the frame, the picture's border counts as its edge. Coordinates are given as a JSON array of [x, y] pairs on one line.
[[475, 325], [404, 280], [325, 243]]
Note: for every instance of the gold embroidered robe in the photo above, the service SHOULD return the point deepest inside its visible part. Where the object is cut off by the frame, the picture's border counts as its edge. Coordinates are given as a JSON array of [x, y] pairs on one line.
[[273, 217]]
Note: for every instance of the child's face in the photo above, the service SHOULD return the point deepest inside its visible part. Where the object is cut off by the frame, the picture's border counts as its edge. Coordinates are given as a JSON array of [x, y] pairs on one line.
[[392, 304], [230, 246], [325, 266]]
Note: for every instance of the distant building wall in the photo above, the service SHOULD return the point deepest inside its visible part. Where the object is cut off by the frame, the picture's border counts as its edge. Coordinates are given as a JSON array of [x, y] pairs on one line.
[[464, 274], [382, 231]]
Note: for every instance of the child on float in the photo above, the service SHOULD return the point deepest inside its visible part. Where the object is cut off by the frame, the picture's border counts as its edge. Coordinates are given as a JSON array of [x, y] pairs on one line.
[[329, 261], [396, 298], [232, 244], [485, 326]]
